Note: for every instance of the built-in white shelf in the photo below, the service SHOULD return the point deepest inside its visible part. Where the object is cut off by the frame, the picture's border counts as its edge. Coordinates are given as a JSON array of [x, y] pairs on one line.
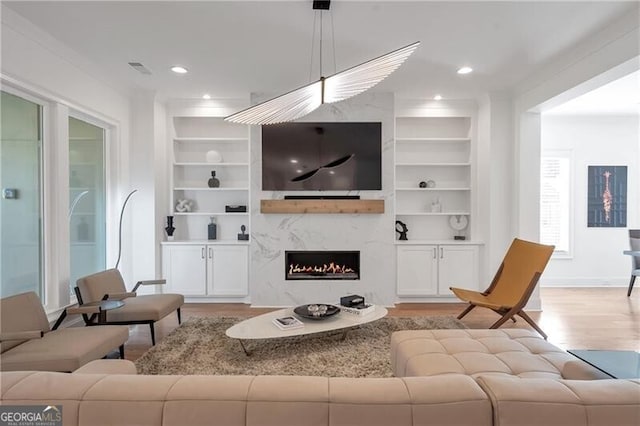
[[432, 214], [432, 140], [211, 139], [206, 242], [209, 214], [433, 164], [434, 150], [437, 242], [212, 164], [209, 189], [433, 189]]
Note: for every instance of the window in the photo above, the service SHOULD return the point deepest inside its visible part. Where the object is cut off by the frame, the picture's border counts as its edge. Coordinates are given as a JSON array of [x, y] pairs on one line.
[[555, 201], [21, 250], [87, 199]]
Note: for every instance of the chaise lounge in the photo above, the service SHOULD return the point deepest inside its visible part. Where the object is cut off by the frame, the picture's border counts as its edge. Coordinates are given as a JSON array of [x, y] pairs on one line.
[[146, 309], [28, 343]]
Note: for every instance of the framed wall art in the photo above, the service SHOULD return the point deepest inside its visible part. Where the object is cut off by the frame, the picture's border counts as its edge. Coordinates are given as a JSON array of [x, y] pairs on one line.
[[607, 197]]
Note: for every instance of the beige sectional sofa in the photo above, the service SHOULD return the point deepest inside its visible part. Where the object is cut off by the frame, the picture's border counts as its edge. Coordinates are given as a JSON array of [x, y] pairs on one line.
[[472, 386]]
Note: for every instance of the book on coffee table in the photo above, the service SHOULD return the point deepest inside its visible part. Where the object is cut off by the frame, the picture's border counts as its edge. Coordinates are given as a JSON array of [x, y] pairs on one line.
[[288, 323], [362, 309]]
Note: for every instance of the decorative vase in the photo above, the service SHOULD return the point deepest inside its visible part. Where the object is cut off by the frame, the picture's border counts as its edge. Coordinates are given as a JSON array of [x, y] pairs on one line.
[[214, 156], [170, 228], [212, 229], [214, 182]]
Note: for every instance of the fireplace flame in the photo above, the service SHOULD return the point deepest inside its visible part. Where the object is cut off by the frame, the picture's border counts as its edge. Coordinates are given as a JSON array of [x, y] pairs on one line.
[[331, 268]]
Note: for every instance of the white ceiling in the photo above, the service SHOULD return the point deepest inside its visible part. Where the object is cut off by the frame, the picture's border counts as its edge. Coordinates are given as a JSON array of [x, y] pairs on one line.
[[620, 97], [235, 48]]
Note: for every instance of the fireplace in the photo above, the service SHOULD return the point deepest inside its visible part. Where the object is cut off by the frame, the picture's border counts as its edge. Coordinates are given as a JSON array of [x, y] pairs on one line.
[[322, 265]]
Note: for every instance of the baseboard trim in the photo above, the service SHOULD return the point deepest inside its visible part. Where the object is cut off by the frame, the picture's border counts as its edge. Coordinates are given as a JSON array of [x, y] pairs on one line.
[[585, 282]]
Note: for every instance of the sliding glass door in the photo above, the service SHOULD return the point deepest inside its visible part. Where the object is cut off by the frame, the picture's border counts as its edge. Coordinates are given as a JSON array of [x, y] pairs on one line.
[[21, 249], [87, 199]]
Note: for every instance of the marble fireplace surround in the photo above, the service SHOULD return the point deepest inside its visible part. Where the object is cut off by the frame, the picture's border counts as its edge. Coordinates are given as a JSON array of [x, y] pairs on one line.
[[371, 234]]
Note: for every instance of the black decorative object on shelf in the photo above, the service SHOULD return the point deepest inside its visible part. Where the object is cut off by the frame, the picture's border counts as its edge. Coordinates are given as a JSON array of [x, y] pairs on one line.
[[402, 231], [170, 229], [213, 182], [422, 184], [235, 209], [243, 236], [212, 229]]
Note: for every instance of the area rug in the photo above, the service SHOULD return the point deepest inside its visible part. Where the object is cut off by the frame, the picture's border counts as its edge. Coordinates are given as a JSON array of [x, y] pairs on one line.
[[200, 346]]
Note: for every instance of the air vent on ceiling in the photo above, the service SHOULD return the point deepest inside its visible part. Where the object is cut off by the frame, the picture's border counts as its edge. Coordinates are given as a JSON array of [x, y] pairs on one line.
[[140, 68]]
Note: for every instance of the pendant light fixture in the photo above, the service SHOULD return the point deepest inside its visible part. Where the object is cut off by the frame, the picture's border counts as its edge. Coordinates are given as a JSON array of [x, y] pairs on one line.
[[335, 88]]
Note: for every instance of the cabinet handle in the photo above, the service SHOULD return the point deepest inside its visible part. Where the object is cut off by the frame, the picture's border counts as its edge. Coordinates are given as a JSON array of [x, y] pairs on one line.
[[202, 253], [210, 253], [434, 253], [441, 253]]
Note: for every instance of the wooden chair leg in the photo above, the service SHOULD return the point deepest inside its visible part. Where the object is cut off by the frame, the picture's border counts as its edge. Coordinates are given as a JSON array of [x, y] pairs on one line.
[[466, 311], [179, 316], [633, 279], [153, 334], [505, 318], [122, 351], [532, 323]]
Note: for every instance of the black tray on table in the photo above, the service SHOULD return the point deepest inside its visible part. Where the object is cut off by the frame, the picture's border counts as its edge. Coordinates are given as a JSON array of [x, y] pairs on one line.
[[303, 311]]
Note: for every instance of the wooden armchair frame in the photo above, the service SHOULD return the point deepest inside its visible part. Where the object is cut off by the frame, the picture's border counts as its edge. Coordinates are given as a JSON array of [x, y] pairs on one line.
[[540, 257]]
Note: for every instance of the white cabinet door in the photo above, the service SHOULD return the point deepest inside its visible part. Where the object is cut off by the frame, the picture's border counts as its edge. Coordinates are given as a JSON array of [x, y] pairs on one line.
[[417, 271], [228, 270], [185, 269], [457, 267]]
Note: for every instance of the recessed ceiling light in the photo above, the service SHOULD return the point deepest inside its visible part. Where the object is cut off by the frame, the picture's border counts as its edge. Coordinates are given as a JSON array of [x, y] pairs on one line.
[[206, 96], [331, 172], [465, 70], [179, 70], [437, 97], [298, 171], [293, 160]]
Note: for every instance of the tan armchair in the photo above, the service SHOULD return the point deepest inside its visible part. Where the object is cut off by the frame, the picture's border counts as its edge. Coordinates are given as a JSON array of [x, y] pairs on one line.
[[145, 309], [512, 285], [27, 342]]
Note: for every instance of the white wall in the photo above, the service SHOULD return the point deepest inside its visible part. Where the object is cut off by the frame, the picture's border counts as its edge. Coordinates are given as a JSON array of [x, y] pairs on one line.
[[495, 168], [612, 51], [595, 140], [36, 63]]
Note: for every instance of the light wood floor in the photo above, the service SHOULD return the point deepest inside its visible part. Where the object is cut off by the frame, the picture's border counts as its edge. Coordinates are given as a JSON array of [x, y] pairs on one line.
[[591, 318]]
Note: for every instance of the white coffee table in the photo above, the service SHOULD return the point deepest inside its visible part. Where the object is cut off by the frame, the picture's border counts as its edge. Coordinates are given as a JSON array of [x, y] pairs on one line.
[[262, 327]]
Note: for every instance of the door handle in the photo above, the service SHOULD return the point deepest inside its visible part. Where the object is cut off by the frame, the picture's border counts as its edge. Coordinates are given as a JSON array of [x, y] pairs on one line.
[[210, 253], [434, 253], [441, 253], [202, 252]]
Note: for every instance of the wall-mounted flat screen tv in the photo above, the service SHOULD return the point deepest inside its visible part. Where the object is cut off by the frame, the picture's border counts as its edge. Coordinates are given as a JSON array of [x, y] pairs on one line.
[[322, 156]]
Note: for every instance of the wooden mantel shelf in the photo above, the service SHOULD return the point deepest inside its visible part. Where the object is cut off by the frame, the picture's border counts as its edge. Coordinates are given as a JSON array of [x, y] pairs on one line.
[[322, 206]]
